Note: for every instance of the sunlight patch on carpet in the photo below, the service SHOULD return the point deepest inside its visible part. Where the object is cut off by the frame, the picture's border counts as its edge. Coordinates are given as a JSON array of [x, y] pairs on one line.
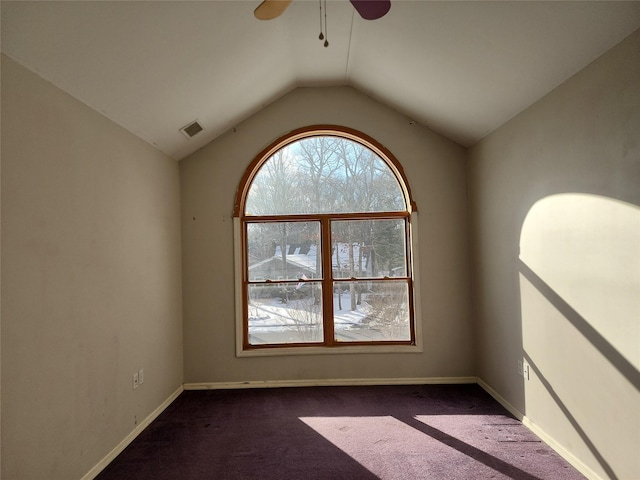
[[390, 448]]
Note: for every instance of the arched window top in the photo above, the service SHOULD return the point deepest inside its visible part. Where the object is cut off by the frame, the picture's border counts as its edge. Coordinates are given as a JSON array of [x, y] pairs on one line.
[[323, 170]]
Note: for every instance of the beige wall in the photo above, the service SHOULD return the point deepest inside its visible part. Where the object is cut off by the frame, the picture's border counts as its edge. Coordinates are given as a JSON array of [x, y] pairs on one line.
[[435, 168], [90, 281], [555, 213]]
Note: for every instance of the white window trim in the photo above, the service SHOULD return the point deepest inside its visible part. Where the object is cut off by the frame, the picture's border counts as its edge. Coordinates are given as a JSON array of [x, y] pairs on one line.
[[284, 351]]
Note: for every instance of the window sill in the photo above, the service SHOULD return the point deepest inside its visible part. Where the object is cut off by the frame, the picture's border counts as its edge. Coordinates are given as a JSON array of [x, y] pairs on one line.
[[284, 351]]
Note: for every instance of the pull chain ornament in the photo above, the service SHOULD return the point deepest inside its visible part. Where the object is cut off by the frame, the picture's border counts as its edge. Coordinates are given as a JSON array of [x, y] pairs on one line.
[[322, 36]]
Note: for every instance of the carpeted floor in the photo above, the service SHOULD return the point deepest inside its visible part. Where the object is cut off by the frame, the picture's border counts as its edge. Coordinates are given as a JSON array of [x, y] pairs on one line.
[[367, 432]]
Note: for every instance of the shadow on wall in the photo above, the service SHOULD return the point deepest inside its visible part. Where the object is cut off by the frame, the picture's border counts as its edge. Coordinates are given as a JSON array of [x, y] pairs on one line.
[[579, 275]]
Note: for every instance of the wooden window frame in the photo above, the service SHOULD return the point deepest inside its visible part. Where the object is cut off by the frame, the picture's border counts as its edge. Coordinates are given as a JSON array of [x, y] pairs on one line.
[[329, 344]]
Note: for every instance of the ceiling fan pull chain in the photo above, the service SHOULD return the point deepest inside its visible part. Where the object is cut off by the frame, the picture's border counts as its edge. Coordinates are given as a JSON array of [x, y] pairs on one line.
[[326, 41], [321, 36]]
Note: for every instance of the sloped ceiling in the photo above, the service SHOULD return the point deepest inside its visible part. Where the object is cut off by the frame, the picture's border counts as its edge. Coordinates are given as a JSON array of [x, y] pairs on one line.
[[461, 68]]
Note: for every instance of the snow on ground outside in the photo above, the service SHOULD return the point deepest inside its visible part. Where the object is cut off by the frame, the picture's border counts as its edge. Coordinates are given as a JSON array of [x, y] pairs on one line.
[[270, 321]]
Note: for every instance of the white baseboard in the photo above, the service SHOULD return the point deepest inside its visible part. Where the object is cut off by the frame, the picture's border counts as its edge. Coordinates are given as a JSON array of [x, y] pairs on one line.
[[563, 452], [559, 449], [333, 382], [498, 398], [102, 464]]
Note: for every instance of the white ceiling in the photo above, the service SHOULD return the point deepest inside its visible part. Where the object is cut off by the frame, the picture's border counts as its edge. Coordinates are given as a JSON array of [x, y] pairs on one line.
[[461, 68]]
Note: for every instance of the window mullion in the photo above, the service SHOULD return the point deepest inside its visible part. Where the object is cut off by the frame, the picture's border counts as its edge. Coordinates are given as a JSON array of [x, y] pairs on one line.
[[327, 282]]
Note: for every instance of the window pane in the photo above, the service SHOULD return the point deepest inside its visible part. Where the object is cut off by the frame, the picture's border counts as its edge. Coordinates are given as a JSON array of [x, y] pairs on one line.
[[375, 310], [369, 248], [324, 174], [285, 313], [283, 251]]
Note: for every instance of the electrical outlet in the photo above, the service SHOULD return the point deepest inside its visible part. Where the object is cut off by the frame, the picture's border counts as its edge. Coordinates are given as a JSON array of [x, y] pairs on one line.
[[523, 369], [141, 376], [135, 380]]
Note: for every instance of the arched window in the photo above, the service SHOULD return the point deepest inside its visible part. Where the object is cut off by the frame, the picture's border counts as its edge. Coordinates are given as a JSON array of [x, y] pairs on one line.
[[325, 260]]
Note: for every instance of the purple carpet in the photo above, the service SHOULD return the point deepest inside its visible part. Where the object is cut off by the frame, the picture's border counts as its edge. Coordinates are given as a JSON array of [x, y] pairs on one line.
[[386, 432]]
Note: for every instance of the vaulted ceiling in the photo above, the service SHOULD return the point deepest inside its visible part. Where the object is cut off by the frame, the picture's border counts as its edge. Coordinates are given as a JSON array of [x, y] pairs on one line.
[[460, 68]]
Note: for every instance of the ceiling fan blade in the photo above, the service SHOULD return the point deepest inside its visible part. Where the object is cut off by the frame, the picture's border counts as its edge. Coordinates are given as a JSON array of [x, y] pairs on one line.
[[371, 9], [270, 9]]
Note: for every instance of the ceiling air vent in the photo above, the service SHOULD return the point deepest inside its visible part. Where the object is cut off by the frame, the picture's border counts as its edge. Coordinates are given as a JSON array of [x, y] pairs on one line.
[[191, 129]]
